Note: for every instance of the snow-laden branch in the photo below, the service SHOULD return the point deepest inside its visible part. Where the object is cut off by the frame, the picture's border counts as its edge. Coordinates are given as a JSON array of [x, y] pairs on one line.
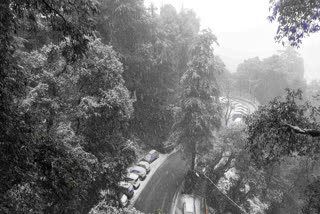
[[298, 130]]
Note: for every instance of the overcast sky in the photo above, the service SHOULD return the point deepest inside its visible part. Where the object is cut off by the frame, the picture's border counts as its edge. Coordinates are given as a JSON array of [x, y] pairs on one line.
[[243, 31]]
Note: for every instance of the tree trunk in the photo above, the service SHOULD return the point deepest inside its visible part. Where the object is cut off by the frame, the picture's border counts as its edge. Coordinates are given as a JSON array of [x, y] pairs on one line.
[[298, 130], [193, 155], [193, 160]]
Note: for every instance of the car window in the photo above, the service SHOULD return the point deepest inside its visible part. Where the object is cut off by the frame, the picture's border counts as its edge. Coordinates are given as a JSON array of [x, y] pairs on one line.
[[128, 179]]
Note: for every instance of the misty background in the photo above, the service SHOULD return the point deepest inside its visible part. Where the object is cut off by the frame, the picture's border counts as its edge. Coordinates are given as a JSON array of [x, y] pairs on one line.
[[244, 32]]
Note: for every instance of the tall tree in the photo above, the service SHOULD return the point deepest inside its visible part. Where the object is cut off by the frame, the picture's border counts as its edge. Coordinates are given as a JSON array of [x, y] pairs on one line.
[[58, 16], [267, 78], [154, 49], [247, 75], [283, 136], [123, 24], [274, 130], [200, 111], [293, 65], [52, 95]]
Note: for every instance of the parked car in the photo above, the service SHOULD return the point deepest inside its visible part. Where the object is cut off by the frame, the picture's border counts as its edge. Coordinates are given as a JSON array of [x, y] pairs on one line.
[[133, 179], [123, 200], [126, 188], [151, 156], [139, 171], [145, 165], [167, 147]]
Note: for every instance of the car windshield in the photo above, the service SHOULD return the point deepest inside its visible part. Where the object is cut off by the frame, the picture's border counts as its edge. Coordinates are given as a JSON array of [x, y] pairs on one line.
[[129, 179], [167, 143], [142, 164], [148, 157]]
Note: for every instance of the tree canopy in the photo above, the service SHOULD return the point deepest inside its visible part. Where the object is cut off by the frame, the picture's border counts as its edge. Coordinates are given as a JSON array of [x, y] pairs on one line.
[[199, 115], [296, 19], [267, 78], [86, 86]]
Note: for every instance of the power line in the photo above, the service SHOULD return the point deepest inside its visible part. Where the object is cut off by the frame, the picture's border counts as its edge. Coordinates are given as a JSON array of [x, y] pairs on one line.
[[234, 203]]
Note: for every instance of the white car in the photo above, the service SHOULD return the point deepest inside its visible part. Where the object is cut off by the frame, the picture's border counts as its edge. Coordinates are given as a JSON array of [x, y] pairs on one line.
[[145, 165], [126, 188], [151, 156], [138, 170], [123, 200], [133, 179]]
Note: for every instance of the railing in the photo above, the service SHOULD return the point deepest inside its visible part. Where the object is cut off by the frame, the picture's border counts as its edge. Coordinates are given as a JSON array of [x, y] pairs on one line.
[[246, 97]]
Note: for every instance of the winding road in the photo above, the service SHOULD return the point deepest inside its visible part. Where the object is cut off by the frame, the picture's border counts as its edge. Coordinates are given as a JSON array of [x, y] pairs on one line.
[[249, 104], [160, 190]]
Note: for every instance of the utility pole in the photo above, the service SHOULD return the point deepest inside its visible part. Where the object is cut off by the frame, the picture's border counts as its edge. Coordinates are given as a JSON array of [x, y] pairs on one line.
[[152, 9]]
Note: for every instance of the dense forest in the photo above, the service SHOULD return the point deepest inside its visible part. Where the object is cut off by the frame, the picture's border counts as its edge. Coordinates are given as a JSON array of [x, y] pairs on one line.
[[87, 86]]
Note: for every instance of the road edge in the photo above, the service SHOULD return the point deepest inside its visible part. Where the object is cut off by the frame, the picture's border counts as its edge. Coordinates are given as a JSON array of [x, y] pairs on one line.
[[176, 197], [136, 196]]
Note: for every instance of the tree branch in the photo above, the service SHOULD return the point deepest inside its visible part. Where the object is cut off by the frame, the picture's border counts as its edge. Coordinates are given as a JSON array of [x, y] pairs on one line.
[[298, 130], [55, 11]]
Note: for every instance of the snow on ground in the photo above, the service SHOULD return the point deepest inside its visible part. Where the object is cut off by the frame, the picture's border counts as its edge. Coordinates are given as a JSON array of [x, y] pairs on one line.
[[225, 183], [256, 206]]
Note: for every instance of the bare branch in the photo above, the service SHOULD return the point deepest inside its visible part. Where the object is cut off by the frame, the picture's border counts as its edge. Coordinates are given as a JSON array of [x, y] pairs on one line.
[[298, 130], [55, 11]]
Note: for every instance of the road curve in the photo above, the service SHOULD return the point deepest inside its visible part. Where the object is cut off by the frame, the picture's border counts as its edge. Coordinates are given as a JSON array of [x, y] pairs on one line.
[[160, 190], [251, 105]]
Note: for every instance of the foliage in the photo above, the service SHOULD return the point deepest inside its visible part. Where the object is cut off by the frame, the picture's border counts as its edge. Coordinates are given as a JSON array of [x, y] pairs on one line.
[[57, 20], [200, 114], [292, 176], [104, 208], [312, 193], [237, 176], [269, 137], [296, 18], [49, 155], [123, 24], [104, 106], [154, 51], [63, 178], [69, 102], [284, 151], [23, 142], [267, 78]]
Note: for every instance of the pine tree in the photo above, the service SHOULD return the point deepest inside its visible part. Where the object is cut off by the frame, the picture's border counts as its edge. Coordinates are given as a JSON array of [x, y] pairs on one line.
[[200, 114]]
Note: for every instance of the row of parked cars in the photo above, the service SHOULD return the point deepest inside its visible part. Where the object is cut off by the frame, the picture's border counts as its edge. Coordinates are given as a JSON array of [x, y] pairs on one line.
[[135, 174]]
